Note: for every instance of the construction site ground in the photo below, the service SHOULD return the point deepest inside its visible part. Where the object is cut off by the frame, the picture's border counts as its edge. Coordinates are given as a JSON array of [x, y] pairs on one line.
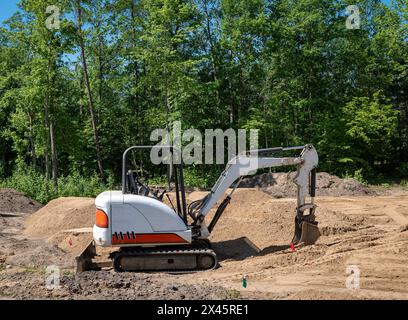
[[364, 229]]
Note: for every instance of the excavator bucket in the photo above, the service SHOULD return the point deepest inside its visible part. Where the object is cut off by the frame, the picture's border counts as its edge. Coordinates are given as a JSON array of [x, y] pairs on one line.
[[310, 233], [306, 233]]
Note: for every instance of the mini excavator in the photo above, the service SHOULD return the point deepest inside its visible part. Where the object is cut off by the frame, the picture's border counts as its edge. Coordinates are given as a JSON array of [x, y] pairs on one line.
[[152, 236]]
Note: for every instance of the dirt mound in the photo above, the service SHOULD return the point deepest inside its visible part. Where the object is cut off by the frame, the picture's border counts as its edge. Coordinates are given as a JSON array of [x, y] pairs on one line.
[[281, 185], [72, 241], [12, 201], [59, 215], [267, 223], [254, 222], [38, 257]]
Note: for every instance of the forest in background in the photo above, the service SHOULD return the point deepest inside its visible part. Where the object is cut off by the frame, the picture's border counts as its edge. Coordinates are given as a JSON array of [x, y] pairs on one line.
[[73, 99]]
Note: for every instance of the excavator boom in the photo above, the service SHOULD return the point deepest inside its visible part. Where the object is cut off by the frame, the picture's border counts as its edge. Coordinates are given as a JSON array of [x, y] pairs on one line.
[[248, 163]]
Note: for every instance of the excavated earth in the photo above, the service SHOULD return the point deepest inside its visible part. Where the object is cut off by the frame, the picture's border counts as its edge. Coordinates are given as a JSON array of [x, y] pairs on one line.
[[364, 229]]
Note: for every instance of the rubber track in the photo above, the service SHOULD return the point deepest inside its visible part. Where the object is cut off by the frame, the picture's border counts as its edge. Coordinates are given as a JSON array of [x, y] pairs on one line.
[[144, 252]]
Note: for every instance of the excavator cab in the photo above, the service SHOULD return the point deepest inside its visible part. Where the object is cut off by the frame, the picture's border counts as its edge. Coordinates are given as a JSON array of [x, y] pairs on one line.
[[132, 183]]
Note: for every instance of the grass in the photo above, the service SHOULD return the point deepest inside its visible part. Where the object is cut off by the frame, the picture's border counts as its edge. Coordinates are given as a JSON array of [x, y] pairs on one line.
[[32, 270], [404, 183], [388, 182], [35, 185], [68, 273], [5, 294], [233, 294]]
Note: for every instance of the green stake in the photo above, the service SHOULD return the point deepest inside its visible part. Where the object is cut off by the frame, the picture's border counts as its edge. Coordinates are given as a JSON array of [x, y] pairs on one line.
[[244, 282]]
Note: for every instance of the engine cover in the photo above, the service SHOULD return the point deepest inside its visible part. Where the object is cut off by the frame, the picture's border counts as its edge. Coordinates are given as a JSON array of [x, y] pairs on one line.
[[136, 220]]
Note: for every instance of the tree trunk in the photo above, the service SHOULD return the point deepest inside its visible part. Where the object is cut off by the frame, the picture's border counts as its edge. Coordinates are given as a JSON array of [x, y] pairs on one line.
[[137, 106], [210, 40], [31, 138], [166, 100], [53, 154], [100, 70], [81, 88], [100, 89], [53, 144], [47, 124], [89, 92]]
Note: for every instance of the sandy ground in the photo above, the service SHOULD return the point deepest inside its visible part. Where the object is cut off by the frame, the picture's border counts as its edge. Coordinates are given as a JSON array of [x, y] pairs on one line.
[[378, 248], [367, 234]]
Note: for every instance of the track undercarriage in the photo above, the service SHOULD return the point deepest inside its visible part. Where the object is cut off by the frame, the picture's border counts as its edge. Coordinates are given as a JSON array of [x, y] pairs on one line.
[[168, 260], [191, 258]]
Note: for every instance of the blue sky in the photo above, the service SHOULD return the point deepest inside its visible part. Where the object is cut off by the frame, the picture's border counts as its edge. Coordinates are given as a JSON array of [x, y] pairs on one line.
[[8, 7]]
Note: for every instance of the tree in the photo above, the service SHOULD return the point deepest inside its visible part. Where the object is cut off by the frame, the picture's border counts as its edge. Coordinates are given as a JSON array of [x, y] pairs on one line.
[[73, 99], [371, 125], [81, 41]]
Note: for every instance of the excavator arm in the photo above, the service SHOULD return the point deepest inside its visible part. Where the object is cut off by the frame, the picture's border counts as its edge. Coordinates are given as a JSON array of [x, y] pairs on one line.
[[248, 163]]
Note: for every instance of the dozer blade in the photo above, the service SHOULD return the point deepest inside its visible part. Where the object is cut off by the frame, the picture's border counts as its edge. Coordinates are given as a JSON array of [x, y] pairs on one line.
[[306, 233], [85, 261]]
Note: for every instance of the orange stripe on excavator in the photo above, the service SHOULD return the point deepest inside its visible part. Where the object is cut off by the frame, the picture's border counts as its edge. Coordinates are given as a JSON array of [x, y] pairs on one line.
[[147, 238]]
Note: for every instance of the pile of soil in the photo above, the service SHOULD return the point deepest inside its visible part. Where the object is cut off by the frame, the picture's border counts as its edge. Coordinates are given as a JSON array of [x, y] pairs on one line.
[[65, 223], [73, 241], [253, 222], [59, 215], [15, 248], [268, 224], [37, 255], [252, 213], [281, 185], [12, 201]]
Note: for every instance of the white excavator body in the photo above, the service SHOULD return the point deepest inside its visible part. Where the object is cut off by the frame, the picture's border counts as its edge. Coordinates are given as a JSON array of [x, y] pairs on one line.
[[152, 236], [135, 220]]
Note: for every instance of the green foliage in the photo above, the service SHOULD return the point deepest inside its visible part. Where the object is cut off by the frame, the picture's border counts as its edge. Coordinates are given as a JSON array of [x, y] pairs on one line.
[[288, 68], [402, 170], [358, 175], [197, 177], [372, 125], [36, 186], [233, 294]]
